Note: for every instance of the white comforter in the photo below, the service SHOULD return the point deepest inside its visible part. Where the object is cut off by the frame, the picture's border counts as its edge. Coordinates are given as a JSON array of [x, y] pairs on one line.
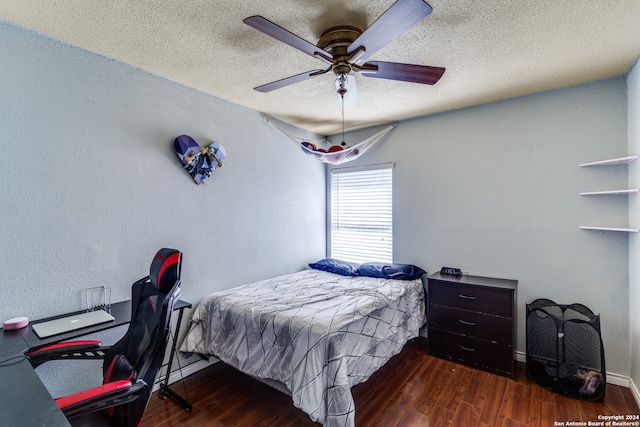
[[315, 332]]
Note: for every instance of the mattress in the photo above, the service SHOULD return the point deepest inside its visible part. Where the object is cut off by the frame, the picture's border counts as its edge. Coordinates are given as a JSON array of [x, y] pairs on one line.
[[316, 333]]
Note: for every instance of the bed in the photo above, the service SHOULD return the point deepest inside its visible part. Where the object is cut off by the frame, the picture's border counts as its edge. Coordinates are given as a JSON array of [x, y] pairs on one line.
[[313, 334]]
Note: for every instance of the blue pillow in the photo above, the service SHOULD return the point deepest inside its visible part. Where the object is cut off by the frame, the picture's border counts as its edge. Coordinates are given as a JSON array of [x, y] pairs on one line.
[[337, 266], [390, 271]]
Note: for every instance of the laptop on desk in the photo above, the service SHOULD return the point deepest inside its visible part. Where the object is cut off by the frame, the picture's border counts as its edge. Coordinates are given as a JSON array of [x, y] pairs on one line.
[[71, 323]]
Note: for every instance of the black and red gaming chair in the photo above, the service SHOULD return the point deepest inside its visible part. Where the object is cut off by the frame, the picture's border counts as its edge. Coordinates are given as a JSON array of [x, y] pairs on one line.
[[131, 366]]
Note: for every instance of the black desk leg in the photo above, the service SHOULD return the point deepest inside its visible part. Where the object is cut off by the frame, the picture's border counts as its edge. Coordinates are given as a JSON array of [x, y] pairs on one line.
[[164, 386]]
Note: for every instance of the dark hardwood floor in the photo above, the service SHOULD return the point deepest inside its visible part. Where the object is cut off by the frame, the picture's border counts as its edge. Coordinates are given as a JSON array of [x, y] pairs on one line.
[[412, 389]]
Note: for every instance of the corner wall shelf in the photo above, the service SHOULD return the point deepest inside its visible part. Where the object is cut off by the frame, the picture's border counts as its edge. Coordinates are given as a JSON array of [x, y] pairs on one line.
[[628, 230], [593, 193], [618, 161]]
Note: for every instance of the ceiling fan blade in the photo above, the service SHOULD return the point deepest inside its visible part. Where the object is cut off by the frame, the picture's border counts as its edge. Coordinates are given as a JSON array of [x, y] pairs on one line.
[[277, 32], [288, 81], [401, 16], [350, 97], [422, 74]]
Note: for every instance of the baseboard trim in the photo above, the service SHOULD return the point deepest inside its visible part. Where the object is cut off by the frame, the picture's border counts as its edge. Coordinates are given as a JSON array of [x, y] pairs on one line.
[[634, 391]]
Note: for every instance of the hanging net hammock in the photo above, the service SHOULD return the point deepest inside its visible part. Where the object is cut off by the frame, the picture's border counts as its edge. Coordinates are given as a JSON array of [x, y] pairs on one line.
[[323, 150]]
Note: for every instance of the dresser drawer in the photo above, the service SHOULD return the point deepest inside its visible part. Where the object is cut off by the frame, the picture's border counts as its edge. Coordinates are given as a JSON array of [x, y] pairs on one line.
[[482, 299], [476, 353], [471, 323]]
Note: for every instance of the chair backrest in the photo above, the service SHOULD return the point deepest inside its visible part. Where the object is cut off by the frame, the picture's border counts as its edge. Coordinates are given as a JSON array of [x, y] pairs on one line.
[[140, 352]]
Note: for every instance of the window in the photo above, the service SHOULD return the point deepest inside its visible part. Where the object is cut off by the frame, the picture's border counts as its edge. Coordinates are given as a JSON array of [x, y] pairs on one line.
[[361, 214]]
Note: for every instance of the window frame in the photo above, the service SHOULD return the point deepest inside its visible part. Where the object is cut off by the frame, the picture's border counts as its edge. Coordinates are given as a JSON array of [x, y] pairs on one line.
[[329, 226]]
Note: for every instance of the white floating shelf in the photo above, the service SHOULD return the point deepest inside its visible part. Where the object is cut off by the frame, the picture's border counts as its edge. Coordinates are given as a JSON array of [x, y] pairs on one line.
[[593, 193], [627, 230], [618, 161]]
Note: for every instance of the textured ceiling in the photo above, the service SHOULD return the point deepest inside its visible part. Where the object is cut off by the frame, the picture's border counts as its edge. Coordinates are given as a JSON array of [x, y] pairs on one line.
[[492, 49]]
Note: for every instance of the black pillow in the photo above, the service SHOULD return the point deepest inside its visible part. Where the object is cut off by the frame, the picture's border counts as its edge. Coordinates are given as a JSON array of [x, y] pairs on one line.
[[390, 271]]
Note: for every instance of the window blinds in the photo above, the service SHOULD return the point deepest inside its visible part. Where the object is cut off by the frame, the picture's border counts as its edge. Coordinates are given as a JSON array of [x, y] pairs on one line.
[[361, 214]]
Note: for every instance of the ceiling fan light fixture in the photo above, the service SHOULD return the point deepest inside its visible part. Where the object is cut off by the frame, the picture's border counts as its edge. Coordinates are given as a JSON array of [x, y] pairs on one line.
[[346, 89], [342, 81]]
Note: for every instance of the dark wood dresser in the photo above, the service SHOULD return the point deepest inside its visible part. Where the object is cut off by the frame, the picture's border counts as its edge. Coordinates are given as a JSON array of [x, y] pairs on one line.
[[472, 320]]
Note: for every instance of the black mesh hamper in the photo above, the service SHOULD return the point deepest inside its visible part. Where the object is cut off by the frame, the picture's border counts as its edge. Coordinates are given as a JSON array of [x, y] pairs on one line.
[[564, 349]]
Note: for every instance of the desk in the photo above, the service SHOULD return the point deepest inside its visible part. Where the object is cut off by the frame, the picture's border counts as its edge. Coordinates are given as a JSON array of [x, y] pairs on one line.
[[24, 400]]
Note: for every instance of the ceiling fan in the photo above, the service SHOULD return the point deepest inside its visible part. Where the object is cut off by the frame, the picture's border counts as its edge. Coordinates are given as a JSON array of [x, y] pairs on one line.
[[345, 48]]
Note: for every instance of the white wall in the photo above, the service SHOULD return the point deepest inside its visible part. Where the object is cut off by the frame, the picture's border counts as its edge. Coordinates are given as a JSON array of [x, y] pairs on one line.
[[88, 165], [633, 95], [494, 190]]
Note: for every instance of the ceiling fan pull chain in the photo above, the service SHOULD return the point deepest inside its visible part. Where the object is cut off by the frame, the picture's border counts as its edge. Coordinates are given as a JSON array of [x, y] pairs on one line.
[[342, 90], [343, 143]]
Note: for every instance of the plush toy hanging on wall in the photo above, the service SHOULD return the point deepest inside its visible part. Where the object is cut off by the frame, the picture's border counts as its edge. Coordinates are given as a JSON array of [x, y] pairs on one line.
[[199, 161]]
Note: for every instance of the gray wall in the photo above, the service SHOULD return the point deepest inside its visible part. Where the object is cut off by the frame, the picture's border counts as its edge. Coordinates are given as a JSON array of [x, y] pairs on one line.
[[494, 190], [91, 187], [633, 95]]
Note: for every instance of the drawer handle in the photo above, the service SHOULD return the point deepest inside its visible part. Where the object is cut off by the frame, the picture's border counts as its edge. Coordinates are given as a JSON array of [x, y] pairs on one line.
[[467, 348], [466, 296], [464, 322]]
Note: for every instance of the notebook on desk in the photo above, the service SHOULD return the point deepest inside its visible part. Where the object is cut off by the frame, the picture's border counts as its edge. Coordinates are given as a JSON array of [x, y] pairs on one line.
[[71, 323]]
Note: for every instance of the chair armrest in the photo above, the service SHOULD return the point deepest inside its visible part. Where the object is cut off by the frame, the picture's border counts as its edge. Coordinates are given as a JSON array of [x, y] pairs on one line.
[[83, 349], [101, 397]]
